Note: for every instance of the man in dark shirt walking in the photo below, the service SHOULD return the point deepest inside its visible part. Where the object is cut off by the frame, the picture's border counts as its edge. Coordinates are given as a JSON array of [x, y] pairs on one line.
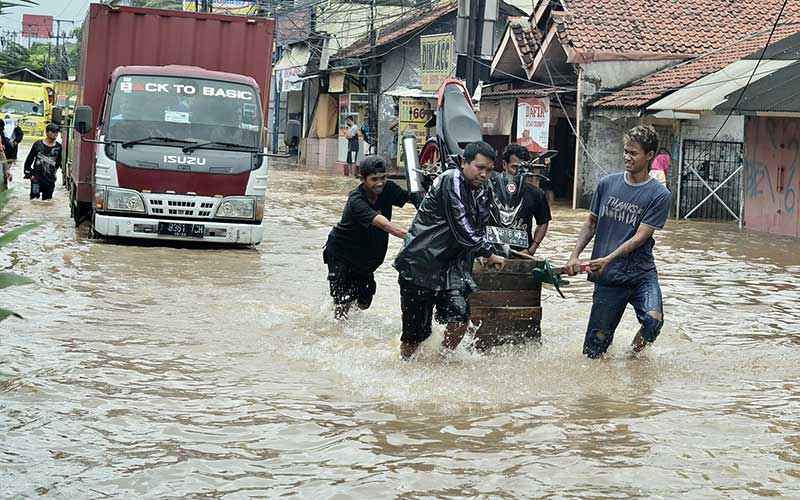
[[357, 245], [435, 264], [43, 163]]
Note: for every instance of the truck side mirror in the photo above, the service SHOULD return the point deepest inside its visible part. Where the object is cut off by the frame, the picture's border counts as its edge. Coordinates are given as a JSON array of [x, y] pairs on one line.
[[58, 115], [83, 119]]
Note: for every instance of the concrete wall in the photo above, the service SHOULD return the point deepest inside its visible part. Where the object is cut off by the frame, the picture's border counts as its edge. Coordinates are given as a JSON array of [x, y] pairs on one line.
[[400, 68], [602, 129], [771, 177], [348, 22], [708, 124]]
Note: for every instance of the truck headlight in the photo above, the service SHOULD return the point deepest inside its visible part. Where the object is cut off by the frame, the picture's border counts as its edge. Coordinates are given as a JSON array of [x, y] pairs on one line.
[[124, 200], [237, 208]]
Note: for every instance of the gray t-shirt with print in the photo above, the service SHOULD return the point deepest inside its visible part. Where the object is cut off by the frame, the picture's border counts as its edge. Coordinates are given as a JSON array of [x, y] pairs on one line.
[[620, 207]]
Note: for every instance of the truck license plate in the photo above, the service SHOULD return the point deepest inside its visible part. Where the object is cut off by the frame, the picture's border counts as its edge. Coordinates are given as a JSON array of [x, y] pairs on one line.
[[180, 229], [507, 236]]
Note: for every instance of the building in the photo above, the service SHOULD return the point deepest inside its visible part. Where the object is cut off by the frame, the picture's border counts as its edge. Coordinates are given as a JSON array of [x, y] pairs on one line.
[[596, 49], [771, 110]]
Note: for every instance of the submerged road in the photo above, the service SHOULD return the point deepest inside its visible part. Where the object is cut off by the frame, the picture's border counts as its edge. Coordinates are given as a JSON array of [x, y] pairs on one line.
[[164, 372]]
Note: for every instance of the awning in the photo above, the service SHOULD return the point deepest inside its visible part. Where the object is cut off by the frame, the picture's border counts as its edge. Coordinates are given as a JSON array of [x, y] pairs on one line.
[[293, 56], [405, 92], [710, 91]]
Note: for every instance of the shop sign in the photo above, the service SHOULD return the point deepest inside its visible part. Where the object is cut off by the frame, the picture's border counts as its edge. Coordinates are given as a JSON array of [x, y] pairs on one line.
[[413, 115], [533, 123], [229, 7], [289, 78], [436, 60]]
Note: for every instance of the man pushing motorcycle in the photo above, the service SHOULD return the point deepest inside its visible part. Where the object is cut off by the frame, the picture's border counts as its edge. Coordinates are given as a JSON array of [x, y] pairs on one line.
[[446, 235]]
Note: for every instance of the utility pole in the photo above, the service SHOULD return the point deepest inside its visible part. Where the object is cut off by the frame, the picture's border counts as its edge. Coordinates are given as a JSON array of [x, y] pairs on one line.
[[373, 78], [474, 39]]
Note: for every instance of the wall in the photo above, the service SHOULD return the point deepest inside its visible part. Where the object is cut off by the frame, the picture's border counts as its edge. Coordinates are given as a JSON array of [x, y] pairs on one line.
[[348, 22], [400, 68], [602, 129], [706, 127], [771, 176]]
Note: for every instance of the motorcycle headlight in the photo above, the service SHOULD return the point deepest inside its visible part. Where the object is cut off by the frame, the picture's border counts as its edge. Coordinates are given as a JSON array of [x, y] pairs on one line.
[[123, 200], [237, 208]]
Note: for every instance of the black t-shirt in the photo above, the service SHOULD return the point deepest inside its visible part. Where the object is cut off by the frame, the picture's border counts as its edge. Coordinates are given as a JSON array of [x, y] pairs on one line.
[[44, 161], [354, 239], [534, 206]]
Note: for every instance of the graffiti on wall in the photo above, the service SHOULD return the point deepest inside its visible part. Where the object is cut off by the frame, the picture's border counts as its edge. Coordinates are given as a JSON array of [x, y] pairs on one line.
[[771, 176]]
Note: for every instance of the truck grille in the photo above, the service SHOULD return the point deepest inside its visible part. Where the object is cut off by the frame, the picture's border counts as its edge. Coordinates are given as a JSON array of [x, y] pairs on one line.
[[199, 207]]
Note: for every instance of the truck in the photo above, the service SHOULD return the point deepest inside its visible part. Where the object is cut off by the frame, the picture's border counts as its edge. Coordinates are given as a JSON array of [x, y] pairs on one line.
[[29, 103], [168, 131]]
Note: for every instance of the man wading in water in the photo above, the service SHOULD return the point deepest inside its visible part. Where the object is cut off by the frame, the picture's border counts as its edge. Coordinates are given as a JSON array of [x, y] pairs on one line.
[[435, 264], [626, 210], [357, 245], [43, 163]]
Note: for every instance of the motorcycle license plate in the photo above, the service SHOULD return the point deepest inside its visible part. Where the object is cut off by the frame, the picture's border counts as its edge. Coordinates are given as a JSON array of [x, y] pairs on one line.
[[507, 236], [184, 230]]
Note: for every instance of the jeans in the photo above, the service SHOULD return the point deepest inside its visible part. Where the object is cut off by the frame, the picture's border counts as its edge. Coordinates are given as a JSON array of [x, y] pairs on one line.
[[608, 305]]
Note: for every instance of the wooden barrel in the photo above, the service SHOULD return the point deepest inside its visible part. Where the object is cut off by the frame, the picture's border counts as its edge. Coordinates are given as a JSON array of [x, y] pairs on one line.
[[507, 305]]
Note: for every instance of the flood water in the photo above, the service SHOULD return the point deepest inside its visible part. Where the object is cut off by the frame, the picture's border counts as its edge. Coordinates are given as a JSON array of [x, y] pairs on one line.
[[163, 372]]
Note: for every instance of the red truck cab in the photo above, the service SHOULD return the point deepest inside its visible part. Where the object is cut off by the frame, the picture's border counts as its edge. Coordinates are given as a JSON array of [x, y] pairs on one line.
[[171, 149]]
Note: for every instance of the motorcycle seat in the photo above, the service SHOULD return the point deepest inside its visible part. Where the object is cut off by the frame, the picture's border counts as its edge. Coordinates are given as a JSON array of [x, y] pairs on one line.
[[458, 124]]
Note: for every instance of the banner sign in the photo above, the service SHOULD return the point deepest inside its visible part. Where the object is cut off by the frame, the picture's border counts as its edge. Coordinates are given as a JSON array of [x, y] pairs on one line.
[[36, 26], [436, 60], [533, 123], [289, 78], [413, 115], [231, 7]]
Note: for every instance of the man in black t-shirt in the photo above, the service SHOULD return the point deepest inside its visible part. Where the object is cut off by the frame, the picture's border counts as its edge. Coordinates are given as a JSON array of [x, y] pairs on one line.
[[357, 245], [43, 163], [534, 202]]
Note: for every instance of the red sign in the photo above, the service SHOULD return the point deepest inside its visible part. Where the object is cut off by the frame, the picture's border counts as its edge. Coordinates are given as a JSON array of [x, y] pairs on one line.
[[36, 26]]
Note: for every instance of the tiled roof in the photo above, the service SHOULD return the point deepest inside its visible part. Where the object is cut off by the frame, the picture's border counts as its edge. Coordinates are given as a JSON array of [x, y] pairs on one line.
[[657, 85], [527, 37], [415, 20], [604, 30]]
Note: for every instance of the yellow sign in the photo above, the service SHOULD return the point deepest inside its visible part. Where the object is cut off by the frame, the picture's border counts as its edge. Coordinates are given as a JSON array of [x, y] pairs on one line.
[[413, 115], [436, 60], [231, 7]]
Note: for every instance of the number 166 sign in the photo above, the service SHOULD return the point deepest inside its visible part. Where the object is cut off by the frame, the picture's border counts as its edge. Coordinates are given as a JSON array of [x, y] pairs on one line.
[[413, 115]]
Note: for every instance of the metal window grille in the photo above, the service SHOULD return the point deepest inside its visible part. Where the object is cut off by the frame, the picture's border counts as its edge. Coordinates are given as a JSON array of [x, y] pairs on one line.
[[711, 180]]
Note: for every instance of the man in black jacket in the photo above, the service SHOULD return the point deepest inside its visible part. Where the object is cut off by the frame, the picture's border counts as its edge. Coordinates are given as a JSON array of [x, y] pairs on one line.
[[357, 245], [435, 264]]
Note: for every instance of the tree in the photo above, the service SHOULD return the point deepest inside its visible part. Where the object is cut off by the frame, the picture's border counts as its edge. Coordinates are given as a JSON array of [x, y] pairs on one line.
[[16, 3], [10, 279]]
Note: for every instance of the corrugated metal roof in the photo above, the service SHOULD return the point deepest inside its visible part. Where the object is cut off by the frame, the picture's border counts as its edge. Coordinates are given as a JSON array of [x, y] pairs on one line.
[[776, 93], [788, 48], [710, 91]]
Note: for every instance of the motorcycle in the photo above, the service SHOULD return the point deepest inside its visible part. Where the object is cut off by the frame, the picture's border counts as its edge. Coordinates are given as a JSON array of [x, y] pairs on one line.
[[507, 198], [456, 126]]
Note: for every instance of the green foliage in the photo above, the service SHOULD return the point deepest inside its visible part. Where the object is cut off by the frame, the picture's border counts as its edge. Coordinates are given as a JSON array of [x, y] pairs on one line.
[[10, 279], [4, 4]]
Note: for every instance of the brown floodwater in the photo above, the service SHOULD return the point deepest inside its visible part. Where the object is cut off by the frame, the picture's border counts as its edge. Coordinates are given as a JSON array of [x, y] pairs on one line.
[[170, 372]]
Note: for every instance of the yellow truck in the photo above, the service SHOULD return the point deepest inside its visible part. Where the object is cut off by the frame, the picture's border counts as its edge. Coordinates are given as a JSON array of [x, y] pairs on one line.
[[30, 104], [67, 92]]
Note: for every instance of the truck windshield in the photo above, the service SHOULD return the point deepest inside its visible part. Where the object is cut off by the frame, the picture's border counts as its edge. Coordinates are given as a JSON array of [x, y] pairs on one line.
[[186, 109], [16, 107]]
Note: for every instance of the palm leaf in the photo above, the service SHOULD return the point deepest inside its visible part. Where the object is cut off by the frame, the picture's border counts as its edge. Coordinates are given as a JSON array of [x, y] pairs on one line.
[[15, 233], [5, 313], [11, 279]]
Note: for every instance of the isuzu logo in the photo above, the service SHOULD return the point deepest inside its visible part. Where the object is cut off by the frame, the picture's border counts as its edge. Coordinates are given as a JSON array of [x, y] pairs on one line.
[[184, 160]]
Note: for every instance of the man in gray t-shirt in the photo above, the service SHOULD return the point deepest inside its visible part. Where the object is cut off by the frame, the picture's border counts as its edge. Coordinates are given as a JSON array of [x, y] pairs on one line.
[[626, 210]]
